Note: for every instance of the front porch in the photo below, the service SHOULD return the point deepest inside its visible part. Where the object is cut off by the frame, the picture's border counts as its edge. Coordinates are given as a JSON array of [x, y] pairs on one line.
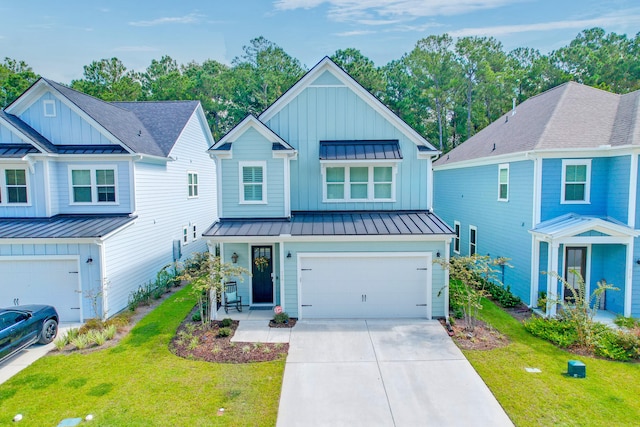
[[605, 317]]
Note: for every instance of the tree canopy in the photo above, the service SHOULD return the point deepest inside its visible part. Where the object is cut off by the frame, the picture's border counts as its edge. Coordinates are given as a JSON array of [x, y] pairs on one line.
[[446, 89]]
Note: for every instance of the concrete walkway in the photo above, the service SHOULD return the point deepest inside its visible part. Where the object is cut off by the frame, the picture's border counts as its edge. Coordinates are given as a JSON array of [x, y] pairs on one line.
[[381, 373], [26, 357]]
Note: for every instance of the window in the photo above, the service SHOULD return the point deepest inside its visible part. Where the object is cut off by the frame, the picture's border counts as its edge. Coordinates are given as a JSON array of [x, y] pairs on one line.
[[15, 183], [192, 183], [195, 232], [503, 182], [473, 239], [456, 239], [252, 182], [49, 107], [576, 181], [185, 235], [93, 185], [359, 183]]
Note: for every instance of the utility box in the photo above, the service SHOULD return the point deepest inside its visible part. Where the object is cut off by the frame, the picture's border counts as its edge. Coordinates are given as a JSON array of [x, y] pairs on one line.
[[577, 369]]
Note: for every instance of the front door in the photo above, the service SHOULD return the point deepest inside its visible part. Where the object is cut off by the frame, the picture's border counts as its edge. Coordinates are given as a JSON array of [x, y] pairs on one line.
[[262, 274], [575, 259]]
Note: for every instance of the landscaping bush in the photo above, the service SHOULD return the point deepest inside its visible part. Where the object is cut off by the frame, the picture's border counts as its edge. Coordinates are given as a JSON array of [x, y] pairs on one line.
[[196, 317], [226, 322], [281, 318], [618, 345], [554, 330], [627, 322], [502, 295], [224, 332]]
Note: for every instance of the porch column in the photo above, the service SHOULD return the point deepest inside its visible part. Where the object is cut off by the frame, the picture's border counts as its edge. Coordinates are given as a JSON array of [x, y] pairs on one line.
[[447, 247], [535, 271], [628, 278], [282, 261], [552, 281]]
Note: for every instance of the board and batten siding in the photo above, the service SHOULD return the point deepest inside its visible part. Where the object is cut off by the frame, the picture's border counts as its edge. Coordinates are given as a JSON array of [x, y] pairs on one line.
[[60, 188], [251, 146], [291, 266], [89, 272], [609, 189], [36, 206], [135, 254], [470, 196], [67, 127], [324, 112]]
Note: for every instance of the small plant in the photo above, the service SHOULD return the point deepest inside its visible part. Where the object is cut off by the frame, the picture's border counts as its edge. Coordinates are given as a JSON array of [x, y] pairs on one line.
[[224, 332], [194, 342], [110, 332], [60, 343], [190, 328], [81, 341], [246, 349], [216, 349], [626, 322], [99, 337], [281, 318], [226, 322], [71, 334], [266, 349], [542, 300], [197, 317]]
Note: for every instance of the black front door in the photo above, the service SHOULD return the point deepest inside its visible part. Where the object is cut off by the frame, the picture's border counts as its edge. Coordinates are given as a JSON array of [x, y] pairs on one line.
[[262, 269]]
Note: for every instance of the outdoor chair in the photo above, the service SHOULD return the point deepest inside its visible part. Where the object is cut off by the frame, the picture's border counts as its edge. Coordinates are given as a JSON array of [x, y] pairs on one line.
[[230, 297]]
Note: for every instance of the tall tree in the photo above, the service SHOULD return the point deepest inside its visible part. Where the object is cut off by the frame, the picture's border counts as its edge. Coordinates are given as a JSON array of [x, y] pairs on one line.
[[109, 80], [163, 80], [361, 68], [15, 77]]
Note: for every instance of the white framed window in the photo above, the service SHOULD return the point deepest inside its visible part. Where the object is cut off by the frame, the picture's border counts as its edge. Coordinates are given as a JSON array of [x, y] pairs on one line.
[[503, 182], [192, 184], [93, 185], [576, 181], [49, 107], [194, 230], [253, 182], [456, 239], [14, 186], [473, 239], [358, 183], [185, 235]]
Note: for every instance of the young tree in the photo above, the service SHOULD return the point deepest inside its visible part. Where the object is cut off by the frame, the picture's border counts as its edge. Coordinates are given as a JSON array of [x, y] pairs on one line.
[[15, 77], [362, 69]]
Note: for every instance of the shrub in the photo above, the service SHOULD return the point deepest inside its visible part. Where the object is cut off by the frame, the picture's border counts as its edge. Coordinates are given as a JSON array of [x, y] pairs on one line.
[[502, 295], [557, 331], [81, 341], [626, 322], [99, 337], [196, 317], [226, 322], [60, 343], [618, 345], [91, 325], [224, 332], [110, 332], [281, 318], [141, 296]]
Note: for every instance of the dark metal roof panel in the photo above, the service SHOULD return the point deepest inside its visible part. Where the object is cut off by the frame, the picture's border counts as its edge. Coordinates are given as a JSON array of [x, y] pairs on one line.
[[91, 149], [360, 150], [16, 151], [375, 223], [62, 226], [28, 131]]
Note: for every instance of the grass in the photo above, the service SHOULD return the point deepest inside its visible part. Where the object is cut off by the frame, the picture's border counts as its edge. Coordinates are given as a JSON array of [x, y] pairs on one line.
[[607, 396], [140, 382]]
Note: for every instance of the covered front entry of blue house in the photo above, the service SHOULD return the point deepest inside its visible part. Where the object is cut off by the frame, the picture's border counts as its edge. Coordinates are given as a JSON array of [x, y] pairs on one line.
[[599, 249], [340, 265]]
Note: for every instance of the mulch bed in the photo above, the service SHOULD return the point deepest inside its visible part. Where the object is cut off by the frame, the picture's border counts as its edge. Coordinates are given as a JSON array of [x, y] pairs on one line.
[[290, 324], [482, 337], [197, 342]]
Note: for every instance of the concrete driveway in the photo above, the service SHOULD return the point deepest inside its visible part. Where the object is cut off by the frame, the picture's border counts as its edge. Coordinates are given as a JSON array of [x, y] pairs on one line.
[[381, 373]]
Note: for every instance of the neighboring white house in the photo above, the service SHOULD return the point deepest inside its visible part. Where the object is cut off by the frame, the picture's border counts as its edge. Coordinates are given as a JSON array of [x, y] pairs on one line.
[[96, 197]]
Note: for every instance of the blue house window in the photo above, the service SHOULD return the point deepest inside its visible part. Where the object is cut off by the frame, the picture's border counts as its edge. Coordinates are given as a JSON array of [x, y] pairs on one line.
[[15, 187], [456, 239], [503, 182], [576, 176], [252, 182], [473, 240], [93, 185], [359, 183]]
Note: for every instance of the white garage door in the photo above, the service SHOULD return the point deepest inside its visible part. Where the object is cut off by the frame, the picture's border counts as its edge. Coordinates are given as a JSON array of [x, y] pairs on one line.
[[365, 285], [42, 281]]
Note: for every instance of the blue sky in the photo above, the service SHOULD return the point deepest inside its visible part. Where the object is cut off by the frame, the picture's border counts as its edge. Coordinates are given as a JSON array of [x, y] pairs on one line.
[[58, 38]]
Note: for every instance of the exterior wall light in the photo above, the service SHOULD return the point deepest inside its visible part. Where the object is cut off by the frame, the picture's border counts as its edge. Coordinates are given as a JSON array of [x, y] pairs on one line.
[[234, 258]]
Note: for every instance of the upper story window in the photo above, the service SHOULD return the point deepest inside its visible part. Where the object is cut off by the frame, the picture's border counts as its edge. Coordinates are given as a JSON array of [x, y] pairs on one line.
[[253, 182], [359, 183], [49, 107], [456, 239], [14, 188], [473, 240], [503, 182], [93, 185], [576, 181], [192, 184]]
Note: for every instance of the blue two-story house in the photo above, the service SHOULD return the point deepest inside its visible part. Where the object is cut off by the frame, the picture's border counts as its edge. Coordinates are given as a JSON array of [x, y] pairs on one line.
[[96, 197], [552, 185], [326, 198]]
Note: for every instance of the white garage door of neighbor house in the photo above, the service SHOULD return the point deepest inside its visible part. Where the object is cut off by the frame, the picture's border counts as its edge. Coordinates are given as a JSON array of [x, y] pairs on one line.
[[365, 286], [34, 281]]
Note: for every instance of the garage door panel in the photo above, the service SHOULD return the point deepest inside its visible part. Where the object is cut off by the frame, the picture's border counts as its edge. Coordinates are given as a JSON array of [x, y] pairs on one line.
[[33, 281], [364, 286]]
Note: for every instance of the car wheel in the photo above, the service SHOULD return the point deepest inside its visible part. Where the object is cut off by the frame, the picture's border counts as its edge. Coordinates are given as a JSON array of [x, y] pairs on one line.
[[49, 331]]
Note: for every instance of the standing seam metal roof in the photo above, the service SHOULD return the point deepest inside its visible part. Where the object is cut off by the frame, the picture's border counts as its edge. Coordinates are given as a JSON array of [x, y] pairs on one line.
[[62, 226]]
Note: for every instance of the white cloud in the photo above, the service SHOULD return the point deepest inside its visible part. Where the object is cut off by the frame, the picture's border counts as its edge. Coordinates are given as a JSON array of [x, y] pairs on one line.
[[136, 49], [354, 33], [372, 10], [580, 24], [187, 19]]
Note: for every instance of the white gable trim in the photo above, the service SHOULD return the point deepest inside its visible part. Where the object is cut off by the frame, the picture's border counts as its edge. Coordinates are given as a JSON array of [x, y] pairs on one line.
[[39, 88], [326, 64], [250, 122], [17, 132], [202, 119]]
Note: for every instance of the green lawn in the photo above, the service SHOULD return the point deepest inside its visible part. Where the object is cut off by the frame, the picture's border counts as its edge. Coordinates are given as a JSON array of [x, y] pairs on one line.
[[140, 383], [609, 396]]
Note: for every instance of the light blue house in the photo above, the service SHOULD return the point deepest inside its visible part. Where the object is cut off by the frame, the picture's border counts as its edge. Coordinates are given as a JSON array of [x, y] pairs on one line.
[[96, 197], [553, 185], [326, 198]]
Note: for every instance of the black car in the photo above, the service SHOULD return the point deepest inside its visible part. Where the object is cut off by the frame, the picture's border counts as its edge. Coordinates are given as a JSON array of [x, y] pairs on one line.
[[23, 325]]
